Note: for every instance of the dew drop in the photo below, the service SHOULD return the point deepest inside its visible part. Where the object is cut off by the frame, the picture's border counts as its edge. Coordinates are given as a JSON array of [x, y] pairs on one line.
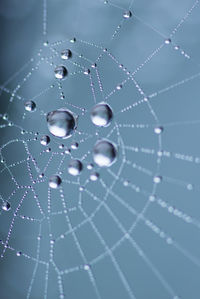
[[61, 123], [94, 176], [74, 145], [60, 72], [101, 115], [75, 167], [18, 253], [157, 179], [104, 153], [90, 166], [5, 206], [168, 41], [30, 106], [158, 130], [45, 140], [54, 181], [127, 14], [66, 54]]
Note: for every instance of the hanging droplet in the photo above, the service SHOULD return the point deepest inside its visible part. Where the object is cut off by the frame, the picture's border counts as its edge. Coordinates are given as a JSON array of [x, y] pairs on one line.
[[157, 179], [104, 153], [94, 176], [60, 72], [61, 123], [66, 54], [5, 206], [101, 115], [18, 253], [54, 181], [75, 167], [30, 106], [90, 166], [86, 72], [168, 41], [45, 140], [73, 40], [74, 145], [158, 130], [127, 14]]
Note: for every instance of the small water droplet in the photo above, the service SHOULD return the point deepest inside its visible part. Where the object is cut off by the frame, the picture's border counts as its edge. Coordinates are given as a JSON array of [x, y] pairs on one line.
[[168, 41], [94, 176], [60, 72], [30, 106], [5, 206], [66, 54], [54, 181], [158, 130], [86, 72], [74, 145], [127, 14], [75, 167], [45, 140], [18, 253], [104, 153], [61, 123], [157, 179], [101, 115], [90, 166]]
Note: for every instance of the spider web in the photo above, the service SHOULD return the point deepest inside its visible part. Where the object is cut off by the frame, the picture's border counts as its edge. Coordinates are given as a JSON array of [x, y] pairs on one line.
[[134, 232]]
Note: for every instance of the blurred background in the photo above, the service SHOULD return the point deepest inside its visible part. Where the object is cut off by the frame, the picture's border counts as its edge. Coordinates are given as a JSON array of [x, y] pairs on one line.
[[64, 243]]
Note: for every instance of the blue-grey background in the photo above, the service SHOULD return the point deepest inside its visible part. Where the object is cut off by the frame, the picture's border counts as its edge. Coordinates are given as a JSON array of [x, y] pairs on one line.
[[95, 22]]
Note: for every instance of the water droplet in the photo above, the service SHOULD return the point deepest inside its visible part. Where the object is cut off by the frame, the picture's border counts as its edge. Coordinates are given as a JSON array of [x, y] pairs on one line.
[[157, 179], [61, 123], [54, 181], [5, 206], [66, 54], [168, 41], [86, 267], [101, 115], [158, 130], [119, 86], [126, 183], [86, 72], [81, 188], [45, 140], [94, 176], [18, 253], [127, 14], [104, 153], [90, 166], [75, 167], [30, 106], [60, 72], [73, 40], [74, 145], [5, 116], [152, 198]]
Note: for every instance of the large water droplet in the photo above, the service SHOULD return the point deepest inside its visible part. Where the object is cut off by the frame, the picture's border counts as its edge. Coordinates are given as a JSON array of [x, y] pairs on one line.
[[30, 106], [60, 72], [44, 140], [5, 206], [66, 54], [101, 115], [54, 181], [61, 123], [104, 153], [75, 167]]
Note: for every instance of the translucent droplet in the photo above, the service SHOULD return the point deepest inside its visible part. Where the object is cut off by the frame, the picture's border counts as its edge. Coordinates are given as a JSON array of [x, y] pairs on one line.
[[45, 140], [157, 179], [74, 145], [75, 167], [60, 72], [86, 267], [168, 41], [54, 181], [127, 14], [158, 130], [86, 72], [73, 40], [66, 54], [104, 153], [101, 115], [94, 176], [90, 166], [119, 86], [61, 123], [5, 206], [18, 253], [126, 183], [30, 106]]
